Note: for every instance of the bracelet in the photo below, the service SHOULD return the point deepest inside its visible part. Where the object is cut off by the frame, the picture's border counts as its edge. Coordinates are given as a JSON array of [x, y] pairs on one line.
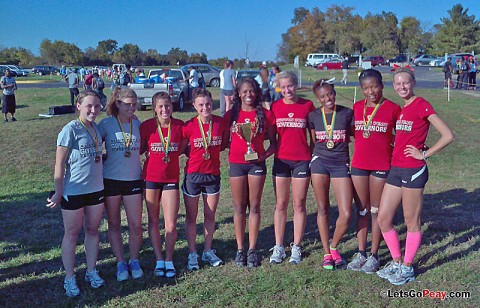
[[423, 155]]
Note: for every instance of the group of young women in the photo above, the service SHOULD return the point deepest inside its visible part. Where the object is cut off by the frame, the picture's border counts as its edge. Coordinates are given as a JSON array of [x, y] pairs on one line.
[[381, 175]]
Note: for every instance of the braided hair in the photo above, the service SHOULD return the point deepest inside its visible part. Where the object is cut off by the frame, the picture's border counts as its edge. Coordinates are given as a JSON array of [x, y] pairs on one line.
[[237, 103]]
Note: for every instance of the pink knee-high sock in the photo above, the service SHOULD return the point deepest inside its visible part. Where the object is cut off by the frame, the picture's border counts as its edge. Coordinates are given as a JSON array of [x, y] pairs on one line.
[[412, 245], [393, 243]]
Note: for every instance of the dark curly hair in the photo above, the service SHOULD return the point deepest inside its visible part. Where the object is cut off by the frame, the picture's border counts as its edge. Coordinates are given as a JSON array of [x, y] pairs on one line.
[[237, 103]]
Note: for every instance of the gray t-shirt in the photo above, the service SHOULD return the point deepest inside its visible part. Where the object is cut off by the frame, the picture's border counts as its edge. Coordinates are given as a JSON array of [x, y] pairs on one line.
[[8, 81], [227, 76], [82, 175], [72, 80], [117, 166]]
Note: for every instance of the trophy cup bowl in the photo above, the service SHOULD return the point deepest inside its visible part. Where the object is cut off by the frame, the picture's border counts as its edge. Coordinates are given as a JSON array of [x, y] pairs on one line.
[[246, 132]]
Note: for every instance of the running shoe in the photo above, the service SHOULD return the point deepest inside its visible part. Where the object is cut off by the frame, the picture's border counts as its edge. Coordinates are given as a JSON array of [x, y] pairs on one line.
[[170, 270], [122, 271], [403, 275], [94, 279], [388, 270], [159, 270], [210, 257], [278, 254], [252, 258], [193, 261], [70, 286], [340, 264], [135, 268], [371, 266], [328, 262], [357, 263], [241, 258], [296, 256]]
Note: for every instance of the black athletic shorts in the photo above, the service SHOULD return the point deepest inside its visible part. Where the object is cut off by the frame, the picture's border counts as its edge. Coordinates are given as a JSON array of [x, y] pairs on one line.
[[195, 184], [124, 188], [75, 202], [381, 174], [258, 169], [9, 104], [338, 170], [408, 177], [291, 168], [161, 186]]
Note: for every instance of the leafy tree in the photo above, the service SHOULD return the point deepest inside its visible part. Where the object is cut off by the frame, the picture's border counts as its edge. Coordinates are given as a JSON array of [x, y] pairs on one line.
[[458, 32], [198, 58], [343, 30], [410, 35], [177, 55], [152, 57], [299, 15], [380, 34], [128, 54]]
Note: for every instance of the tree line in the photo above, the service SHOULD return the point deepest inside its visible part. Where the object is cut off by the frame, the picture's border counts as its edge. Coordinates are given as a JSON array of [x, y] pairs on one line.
[[339, 30]]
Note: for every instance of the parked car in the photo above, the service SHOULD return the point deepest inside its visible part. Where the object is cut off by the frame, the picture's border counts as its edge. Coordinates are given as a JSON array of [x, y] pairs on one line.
[[246, 73], [375, 60], [437, 62], [20, 71], [334, 64], [45, 70], [397, 59], [210, 73], [424, 60], [3, 68]]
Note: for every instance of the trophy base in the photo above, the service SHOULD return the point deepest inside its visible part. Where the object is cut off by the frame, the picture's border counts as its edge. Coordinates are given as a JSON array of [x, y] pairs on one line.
[[251, 156]]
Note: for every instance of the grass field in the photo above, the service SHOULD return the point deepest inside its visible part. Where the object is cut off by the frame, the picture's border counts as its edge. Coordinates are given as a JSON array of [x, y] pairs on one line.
[[31, 272]]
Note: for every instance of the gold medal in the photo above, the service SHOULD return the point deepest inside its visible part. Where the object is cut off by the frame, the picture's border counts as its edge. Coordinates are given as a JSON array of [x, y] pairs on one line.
[[98, 158], [127, 154], [94, 139], [330, 144], [166, 159], [366, 134], [329, 127], [206, 156], [206, 139], [128, 141], [367, 120]]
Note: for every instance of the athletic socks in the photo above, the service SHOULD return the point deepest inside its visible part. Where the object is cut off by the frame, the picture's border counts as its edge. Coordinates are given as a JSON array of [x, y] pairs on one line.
[[411, 246], [393, 243], [335, 254]]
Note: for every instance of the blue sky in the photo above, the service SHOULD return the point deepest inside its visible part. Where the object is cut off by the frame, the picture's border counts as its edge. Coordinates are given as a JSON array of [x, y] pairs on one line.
[[217, 28]]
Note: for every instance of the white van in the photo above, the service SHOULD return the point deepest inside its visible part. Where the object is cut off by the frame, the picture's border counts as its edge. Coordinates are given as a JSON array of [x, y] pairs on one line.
[[314, 59]]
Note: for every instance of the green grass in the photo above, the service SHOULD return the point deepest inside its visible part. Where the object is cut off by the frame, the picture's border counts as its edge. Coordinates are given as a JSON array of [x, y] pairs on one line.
[[30, 234]]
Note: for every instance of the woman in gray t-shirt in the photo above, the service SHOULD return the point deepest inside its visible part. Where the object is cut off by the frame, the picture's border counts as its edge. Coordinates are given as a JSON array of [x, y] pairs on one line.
[[79, 188]]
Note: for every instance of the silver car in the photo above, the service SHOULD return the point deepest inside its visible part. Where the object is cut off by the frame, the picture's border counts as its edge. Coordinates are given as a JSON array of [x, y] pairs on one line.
[[210, 73]]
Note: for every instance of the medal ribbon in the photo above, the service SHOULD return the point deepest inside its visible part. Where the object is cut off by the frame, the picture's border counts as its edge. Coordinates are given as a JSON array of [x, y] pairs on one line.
[[127, 140], [94, 139], [166, 144], [366, 124], [332, 124], [206, 142]]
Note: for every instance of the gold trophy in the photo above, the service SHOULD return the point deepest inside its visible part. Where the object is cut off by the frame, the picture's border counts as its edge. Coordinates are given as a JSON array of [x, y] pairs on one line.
[[248, 131]]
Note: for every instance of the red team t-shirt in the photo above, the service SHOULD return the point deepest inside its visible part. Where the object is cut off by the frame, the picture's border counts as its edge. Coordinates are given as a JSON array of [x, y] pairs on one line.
[[291, 122], [154, 168], [238, 145], [196, 163], [412, 129], [375, 152]]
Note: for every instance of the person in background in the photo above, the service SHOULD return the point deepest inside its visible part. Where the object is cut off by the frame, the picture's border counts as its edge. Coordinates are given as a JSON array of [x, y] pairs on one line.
[[448, 70], [472, 73], [79, 189], [87, 84], [375, 118], [227, 84], [122, 178], [73, 80], [192, 80], [344, 70], [265, 98], [464, 73], [98, 85], [408, 176], [162, 144], [9, 105], [276, 91]]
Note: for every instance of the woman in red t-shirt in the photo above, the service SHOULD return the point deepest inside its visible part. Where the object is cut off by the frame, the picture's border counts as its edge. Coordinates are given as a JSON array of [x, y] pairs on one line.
[[162, 144], [291, 165], [248, 122], [408, 176], [207, 137], [375, 119]]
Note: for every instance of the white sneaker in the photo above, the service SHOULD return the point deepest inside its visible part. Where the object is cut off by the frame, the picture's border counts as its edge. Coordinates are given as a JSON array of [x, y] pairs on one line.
[[296, 256], [210, 257], [94, 279], [357, 263], [193, 261], [70, 286], [388, 270], [278, 254]]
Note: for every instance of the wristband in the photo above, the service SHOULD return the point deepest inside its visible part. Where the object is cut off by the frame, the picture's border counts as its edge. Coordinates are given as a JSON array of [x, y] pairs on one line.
[[423, 155]]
